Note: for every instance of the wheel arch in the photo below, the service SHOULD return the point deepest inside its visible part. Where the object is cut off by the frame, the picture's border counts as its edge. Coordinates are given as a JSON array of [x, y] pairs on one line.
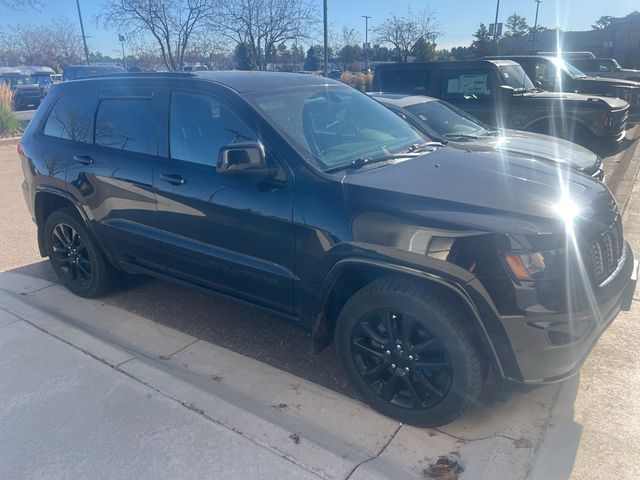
[[534, 126], [348, 276], [49, 199]]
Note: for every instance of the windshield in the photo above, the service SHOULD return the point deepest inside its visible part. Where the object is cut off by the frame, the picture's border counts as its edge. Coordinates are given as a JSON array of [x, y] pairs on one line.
[[515, 77], [568, 68], [334, 125], [14, 80], [447, 120]]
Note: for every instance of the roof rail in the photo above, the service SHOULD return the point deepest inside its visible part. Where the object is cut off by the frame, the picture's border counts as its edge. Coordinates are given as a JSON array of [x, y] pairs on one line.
[[140, 75]]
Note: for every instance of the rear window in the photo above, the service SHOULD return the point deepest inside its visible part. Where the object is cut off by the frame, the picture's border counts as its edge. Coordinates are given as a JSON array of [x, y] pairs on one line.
[[71, 118], [127, 124]]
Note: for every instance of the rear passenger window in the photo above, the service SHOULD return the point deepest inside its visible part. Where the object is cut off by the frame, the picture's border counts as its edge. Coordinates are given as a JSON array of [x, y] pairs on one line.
[[127, 124], [71, 118], [200, 125], [456, 84], [406, 81]]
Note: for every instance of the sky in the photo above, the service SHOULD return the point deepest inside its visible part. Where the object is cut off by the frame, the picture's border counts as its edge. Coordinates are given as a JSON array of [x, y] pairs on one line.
[[458, 18]]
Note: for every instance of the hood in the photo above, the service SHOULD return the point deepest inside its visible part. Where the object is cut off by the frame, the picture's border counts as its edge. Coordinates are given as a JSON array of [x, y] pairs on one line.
[[538, 147], [495, 191], [613, 102]]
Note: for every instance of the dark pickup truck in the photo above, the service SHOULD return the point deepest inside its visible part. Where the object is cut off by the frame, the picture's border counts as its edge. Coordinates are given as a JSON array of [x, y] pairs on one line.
[[25, 90], [500, 93], [558, 75], [605, 67]]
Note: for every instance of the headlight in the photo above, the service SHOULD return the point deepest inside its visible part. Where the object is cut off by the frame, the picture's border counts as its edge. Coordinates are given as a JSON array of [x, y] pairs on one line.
[[535, 266]]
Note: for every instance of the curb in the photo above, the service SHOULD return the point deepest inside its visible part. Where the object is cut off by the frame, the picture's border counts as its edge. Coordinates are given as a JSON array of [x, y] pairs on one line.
[[9, 140]]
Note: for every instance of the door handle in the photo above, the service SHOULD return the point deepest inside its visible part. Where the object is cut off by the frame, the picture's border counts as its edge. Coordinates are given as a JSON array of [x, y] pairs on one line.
[[173, 178], [83, 159]]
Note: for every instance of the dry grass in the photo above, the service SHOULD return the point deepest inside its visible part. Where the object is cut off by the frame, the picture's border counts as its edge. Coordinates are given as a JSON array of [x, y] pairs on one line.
[[9, 124], [361, 81]]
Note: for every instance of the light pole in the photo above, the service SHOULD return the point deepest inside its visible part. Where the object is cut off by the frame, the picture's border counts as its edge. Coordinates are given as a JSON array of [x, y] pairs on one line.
[[366, 41], [326, 35], [495, 30], [535, 27], [124, 58], [84, 38]]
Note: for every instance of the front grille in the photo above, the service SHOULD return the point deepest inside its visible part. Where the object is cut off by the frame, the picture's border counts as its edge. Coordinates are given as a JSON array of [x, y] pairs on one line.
[[605, 251]]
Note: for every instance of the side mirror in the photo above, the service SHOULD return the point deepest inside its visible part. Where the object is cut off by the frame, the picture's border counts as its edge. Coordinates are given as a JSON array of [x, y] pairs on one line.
[[245, 158], [506, 91]]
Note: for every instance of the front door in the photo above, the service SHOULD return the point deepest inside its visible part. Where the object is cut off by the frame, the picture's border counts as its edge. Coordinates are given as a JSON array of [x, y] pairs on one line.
[[233, 234]]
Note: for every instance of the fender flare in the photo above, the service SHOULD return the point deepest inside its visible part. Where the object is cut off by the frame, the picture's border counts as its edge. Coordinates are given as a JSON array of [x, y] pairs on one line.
[[454, 287]]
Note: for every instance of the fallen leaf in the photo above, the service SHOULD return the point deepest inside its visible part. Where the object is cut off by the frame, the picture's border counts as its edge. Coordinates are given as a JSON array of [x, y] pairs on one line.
[[216, 378], [295, 387], [445, 469], [281, 406], [522, 443], [295, 437], [164, 357]]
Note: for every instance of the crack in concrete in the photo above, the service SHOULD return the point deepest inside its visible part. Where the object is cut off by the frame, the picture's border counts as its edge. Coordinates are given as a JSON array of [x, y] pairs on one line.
[[384, 447], [189, 406], [469, 440], [181, 349]]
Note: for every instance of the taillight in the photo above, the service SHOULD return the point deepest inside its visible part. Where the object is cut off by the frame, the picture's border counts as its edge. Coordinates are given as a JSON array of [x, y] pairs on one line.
[[607, 120], [20, 150]]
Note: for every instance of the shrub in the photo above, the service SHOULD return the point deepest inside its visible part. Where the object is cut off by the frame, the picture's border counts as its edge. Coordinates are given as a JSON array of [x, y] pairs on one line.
[[9, 124], [361, 81]]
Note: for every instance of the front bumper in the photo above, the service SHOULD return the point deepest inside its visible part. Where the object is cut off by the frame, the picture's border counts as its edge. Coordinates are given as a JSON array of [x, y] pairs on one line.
[[551, 347]]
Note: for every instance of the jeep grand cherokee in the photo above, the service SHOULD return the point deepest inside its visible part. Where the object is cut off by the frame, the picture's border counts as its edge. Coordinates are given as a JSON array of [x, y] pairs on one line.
[[427, 263]]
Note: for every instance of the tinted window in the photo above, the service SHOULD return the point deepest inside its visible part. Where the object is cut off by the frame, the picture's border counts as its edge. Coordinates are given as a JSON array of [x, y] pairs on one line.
[[71, 118], [199, 126], [127, 124], [458, 83], [405, 81]]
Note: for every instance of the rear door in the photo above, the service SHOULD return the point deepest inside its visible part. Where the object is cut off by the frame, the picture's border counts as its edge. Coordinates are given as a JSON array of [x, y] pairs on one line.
[[473, 89], [113, 177], [233, 234]]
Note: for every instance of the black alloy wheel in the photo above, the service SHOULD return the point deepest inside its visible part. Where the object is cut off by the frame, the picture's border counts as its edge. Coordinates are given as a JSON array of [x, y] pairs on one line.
[[76, 256], [71, 255], [400, 360], [411, 351]]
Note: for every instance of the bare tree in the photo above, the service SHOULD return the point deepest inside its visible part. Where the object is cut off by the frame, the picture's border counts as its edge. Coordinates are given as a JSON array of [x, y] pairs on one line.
[[262, 25], [404, 32], [64, 45], [21, 4], [172, 23]]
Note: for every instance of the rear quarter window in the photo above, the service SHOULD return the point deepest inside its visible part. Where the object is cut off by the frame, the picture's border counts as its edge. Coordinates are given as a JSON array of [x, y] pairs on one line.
[[412, 81], [71, 118]]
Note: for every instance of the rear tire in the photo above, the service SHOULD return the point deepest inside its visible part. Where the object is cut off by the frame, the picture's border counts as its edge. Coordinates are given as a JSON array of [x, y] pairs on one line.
[[409, 352], [76, 257]]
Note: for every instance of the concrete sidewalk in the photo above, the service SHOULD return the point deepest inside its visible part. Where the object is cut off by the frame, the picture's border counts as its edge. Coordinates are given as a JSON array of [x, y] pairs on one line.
[[92, 391]]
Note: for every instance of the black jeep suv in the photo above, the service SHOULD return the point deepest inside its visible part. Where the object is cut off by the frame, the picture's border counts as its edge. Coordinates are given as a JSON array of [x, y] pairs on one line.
[[556, 74], [500, 93], [427, 263]]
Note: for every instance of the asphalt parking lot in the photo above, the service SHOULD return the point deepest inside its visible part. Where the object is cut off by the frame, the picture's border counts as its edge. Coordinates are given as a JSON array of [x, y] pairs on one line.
[[225, 323]]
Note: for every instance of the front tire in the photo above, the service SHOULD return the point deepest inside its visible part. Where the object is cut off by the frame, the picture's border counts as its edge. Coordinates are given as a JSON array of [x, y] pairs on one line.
[[76, 257], [409, 352]]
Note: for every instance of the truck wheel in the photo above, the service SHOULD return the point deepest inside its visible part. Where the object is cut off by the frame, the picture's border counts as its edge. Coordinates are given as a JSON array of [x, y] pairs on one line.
[[76, 257], [409, 352]]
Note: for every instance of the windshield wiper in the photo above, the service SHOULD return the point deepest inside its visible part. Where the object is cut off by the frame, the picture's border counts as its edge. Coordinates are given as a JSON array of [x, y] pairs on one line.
[[421, 146], [362, 161]]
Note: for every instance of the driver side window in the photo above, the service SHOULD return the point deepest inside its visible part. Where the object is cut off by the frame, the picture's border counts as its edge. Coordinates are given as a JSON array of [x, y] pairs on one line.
[[200, 125]]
